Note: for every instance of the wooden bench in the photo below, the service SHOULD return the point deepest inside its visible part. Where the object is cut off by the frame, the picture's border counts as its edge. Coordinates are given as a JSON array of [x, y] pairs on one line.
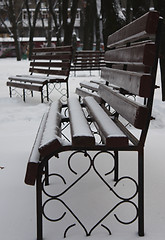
[[48, 65], [87, 60], [131, 67]]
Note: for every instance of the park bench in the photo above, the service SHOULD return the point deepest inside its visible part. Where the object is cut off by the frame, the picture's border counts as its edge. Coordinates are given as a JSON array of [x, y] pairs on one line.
[[87, 60], [111, 124], [48, 66]]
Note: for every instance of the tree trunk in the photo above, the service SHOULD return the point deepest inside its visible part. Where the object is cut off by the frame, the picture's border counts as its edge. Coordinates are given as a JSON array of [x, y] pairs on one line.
[[90, 25], [32, 25], [128, 12], [68, 23], [110, 19], [57, 27], [13, 22], [160, 6], [97, 28], [140, 7]]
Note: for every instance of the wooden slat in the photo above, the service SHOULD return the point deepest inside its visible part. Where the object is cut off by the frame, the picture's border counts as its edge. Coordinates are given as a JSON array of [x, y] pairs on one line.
[[27, 78], [140, 28], [51, 140], [81, 62], [52, 49], [136, 83], [90, 85], [25, 86], [84, 93], [139, 54], [54, 56], [32, 166], [80, 130], [111, 135], [50, 64], [49, 71], [49, 79], [133, 112]]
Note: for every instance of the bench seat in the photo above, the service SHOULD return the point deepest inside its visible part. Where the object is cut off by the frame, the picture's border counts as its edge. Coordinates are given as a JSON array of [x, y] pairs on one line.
[[105, 122], [48, 66]]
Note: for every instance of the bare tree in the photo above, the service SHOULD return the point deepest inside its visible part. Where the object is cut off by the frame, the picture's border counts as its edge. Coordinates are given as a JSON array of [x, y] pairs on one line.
[[160, 6], [32, 23], [91, 26], [68, 20], [57, 22], [14, 17], [111, 18]]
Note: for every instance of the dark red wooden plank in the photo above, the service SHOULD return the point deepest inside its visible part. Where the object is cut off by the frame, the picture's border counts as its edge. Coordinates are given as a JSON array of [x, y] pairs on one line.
[[52, 49], [50, 64], [133, 112], [140, 28], [139, 54], [57, 56], [136, 83], [111, 135], [49, 71]]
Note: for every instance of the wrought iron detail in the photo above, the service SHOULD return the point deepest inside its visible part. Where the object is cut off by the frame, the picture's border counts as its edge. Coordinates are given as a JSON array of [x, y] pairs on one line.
[[60, 89], [92, 165]]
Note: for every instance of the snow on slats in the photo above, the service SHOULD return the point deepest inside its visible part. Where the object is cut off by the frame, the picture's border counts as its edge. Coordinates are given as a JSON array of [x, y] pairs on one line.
[[32, 165], [51, 140], [28, 79], [90, 85], [83, 93], [110, 133], [80, 130], [133, 111]]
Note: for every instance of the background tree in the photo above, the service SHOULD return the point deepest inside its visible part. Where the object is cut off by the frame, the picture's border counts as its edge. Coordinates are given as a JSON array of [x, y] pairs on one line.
[[112, 18], [32, 23], [57, 22], [14, 18], [160, 6], [140, 7], [91, 26], [68, 20]]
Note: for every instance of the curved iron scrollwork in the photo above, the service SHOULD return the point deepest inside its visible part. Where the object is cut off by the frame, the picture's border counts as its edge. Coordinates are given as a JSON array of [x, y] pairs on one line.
[[92, 165], [58, 87]]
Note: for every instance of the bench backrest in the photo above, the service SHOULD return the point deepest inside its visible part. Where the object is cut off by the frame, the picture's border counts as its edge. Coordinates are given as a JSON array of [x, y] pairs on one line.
[[51, 61], [131, 71], [88, 59]]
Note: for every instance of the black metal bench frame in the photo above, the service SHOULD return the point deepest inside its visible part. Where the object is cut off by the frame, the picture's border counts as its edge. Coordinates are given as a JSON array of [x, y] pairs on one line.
[[139, 61], [48, 66]]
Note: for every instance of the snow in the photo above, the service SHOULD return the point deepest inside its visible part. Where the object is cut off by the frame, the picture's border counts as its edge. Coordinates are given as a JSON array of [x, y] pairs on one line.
[[76, 116], [19, 123], [52, 130]]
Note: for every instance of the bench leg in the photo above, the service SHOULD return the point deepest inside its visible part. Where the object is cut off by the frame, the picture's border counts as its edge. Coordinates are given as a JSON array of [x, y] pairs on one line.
[[39, 207], [47, 174], [10, 91], [24, 95], [47, 92], [42, 100], [141, 192], [116, 175], [67, 89]]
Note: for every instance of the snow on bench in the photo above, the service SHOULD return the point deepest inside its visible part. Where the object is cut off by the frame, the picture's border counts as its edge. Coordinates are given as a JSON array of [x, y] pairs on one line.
[[120, 122], [111, 135], [81, 133]]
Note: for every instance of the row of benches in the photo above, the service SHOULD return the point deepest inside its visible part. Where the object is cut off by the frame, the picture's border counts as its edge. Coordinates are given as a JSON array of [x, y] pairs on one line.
[[53, 66], [72, 127]]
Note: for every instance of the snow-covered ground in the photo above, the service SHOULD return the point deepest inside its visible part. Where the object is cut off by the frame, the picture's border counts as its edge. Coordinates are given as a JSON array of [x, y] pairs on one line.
[[19, 122]]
